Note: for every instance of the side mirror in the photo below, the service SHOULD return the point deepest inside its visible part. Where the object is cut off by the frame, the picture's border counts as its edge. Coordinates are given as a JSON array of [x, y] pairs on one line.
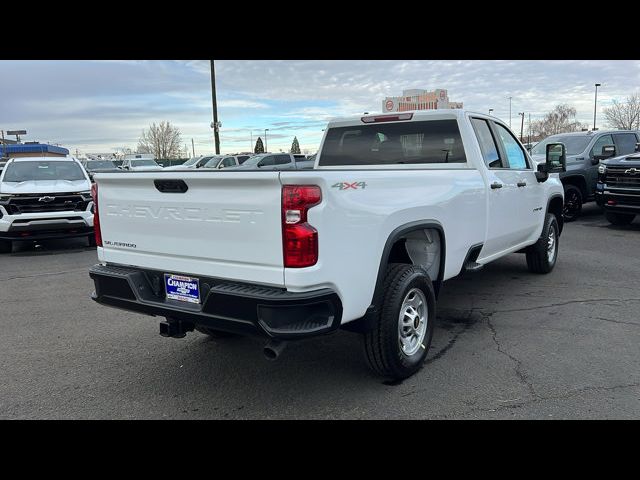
[[556, 159], [608, 151], [637, 147]]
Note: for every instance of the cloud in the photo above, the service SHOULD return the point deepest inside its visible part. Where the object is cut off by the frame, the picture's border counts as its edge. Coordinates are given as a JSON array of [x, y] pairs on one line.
[[99, 104]]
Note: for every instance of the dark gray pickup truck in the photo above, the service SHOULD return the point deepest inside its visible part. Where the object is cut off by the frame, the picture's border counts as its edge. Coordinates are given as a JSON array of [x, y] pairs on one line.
[[618, 188], [584, 153]]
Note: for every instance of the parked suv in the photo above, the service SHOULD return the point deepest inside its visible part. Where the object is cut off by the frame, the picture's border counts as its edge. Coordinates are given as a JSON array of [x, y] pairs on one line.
[[618, 188], [44, 198], [584, 152]]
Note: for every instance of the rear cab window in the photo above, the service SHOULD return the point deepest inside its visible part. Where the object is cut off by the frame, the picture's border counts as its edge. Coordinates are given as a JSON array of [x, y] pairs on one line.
[[394, 143]]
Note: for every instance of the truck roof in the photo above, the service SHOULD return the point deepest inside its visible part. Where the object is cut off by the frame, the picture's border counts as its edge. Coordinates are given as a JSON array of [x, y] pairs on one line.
[[416, 115], [43, 159]]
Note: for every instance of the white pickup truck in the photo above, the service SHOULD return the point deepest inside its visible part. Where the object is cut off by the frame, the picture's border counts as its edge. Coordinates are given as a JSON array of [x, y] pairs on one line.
[[395, 205]]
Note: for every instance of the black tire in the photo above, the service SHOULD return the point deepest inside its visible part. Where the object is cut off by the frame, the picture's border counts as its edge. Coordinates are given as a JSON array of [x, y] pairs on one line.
[[5, 246], [213, 333], [538, 259], [572, 203], [92, 240], [619, 218], [382, 348]]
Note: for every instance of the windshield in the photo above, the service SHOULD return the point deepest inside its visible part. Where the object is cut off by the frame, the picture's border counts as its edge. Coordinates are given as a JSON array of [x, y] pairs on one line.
[[253, 161], [100, 164], [22, 171], [574, 144], [190, 162], [213, 162], [144, 163]]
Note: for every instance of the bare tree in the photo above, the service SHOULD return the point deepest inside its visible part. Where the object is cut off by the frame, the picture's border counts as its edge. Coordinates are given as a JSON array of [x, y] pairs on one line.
[[560, 120], [163, 141], [624, 115]]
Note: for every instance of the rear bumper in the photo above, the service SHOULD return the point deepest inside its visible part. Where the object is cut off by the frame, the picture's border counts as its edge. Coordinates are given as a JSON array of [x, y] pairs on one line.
[[621, 200], [232, 307]]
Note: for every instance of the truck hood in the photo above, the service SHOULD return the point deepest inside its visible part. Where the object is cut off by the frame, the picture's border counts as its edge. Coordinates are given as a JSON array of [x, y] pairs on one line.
[[45, 186], [180, 167], [632, 160], [145, 169]]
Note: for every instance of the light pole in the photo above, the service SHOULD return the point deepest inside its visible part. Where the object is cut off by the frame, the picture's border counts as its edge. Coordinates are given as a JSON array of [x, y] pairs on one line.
[[490, 110], [595, 105], [215, 125], [521, 126], [510, 111], [266, 150]]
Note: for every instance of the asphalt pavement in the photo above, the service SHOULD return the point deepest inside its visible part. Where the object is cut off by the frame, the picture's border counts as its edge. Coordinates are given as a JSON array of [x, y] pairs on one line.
[[508, 344]]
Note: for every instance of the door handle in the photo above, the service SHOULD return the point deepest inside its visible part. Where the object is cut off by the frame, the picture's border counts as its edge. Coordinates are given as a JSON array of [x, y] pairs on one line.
[[522, 184], [495, 185]]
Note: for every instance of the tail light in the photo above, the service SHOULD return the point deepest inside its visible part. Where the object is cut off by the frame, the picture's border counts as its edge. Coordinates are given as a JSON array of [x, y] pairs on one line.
[[299, 239], [96, 216]]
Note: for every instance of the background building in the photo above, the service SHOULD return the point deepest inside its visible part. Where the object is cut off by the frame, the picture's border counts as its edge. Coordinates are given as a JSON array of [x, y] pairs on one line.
[[32, 149], [419, 100]]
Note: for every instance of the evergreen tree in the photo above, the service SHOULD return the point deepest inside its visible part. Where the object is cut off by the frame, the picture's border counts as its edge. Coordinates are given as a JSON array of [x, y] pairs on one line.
[[259, 146], [295, 146]]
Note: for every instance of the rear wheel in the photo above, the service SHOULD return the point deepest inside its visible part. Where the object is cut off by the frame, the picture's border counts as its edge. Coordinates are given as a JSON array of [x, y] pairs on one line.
[[572, 203], [542, 255], [213, 333], [5, 246], [398, 344], [619, 218]]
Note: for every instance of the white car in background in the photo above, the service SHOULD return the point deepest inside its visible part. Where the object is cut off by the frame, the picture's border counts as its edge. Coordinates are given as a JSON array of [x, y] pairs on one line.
[[44, 198], [192, 163], [140, 165]]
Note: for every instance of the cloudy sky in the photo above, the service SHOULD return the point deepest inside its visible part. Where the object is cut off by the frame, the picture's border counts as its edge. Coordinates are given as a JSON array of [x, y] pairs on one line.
[[99, 106]]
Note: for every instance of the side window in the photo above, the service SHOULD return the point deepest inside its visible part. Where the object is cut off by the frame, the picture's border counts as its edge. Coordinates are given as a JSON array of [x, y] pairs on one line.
[[625, 143], [515, 154], [487, 143], [267, 161], [228, 162], [600, 142], [282, 159]]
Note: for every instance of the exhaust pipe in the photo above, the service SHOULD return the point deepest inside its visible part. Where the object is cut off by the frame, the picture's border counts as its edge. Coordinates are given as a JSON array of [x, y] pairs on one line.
[[273, 349]]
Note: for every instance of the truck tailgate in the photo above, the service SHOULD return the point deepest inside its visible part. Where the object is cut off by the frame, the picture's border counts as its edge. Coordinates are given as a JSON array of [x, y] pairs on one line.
[[226, 224]]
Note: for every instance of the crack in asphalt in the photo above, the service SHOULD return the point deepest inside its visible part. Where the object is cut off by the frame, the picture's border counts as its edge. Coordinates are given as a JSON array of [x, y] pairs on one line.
[[611, 320], [518, 367], [540, 398], [551, 305], [43, 274]]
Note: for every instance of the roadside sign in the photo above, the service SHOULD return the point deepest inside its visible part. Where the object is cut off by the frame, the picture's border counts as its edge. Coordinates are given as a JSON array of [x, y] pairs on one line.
[[16, 132], [389, 105]]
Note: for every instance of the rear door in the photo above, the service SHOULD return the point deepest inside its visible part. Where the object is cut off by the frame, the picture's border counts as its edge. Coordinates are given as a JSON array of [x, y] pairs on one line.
[[224, 225]]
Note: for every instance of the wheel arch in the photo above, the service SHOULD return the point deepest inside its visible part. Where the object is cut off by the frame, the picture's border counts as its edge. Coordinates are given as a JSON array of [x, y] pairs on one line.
[[577, 181], [555, 206], [392, 246]]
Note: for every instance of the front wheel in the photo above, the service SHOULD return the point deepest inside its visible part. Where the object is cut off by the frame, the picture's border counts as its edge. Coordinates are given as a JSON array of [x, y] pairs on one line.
[[619, 218], [542, 255], [572, 203], [397, 345]]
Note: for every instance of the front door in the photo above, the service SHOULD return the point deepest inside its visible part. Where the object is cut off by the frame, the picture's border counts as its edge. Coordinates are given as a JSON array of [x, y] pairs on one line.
[[502, 192]]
